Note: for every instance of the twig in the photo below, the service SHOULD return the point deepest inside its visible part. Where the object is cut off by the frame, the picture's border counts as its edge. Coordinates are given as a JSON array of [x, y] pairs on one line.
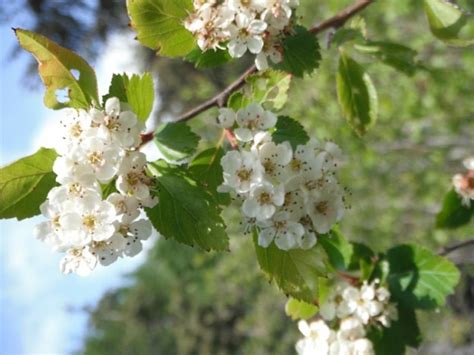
[[221, 98], [448, 249]]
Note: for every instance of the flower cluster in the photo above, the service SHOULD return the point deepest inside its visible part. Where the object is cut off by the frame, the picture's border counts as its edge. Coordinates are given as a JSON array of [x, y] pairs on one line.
[[257, 26], [464, 183], [97, 148], [289, 195], [346, 315]]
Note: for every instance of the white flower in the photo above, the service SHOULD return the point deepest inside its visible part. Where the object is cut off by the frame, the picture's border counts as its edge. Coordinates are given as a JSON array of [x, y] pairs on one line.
[[71, 166], [360, 303], [325, 209], [50, 231], [351, 329], [464, 183], [126, 207], [246, 6], [263, 200], [73, 129], [271, 49], [79, 261], [129, 236], [252, 119], [283, 231], [106, 252], [87, 219], [245, 35], [242, 171], [133, 179], [317, 338], [116, 125], [226, 117], [362, 347], [103, 157], [389, 314], [277, 14], [274, 157]]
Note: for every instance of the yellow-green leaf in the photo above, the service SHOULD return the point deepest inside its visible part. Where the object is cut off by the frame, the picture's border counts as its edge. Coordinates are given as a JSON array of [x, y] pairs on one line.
[[63, 72]]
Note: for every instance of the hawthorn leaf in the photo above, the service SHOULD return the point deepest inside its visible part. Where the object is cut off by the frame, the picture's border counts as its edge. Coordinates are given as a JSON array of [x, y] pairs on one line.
[[289, 130], [418, 278], [301, 53], [208, 59], [446, 20], [187, 213], [454, 213], [175, 140], [159, 25], [63, 72], [296, 309], [338, 249], [207, 170], [296, 272], [25, 183], [401, 334], [269, 88], [357, 95], [397, 56]]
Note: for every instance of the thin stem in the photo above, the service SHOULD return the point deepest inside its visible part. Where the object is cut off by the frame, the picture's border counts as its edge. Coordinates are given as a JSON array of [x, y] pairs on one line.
[[448, 249], [220, 99]]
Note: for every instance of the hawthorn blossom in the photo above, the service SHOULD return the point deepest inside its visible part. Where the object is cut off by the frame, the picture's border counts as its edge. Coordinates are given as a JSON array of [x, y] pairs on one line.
[[285, 233], [252, 119], [464, 183]]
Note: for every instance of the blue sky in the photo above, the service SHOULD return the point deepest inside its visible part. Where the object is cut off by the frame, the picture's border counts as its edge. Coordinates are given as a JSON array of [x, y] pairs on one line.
[[41, 309]]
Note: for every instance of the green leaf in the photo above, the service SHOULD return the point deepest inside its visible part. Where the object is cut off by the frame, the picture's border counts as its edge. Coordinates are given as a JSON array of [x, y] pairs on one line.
[[140, 95], [24, 184], [175, 140], [401, 334], [208, 59], [297, 309], [453, 213], [296, 272], [356, 94], [418, 278], [62, 71], [238, 100], [187, 213], [138, 91], [344, 35], [395, 55], [269, 88], [108, 189], [207, 170], [289, 130], [338, 249], [446, 21], [159, 25], [301, 53], [118, 88]]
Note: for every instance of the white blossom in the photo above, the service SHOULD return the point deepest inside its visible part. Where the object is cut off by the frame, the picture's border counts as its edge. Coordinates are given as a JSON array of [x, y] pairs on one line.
[[252, 119], [79, 261], [286, 233]]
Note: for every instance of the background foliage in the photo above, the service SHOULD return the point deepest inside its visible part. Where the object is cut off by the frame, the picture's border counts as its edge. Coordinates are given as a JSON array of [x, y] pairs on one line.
[[189, 302]]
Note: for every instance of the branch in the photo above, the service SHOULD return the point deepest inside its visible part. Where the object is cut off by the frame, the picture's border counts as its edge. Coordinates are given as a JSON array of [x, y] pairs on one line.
[[448, 249], [221, 98]]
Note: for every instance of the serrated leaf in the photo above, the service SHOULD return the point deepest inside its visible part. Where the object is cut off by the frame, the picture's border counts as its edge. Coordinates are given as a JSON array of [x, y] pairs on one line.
[[301, 53], [140, 95], [62, 71], [138, 91], [401, 334], [395, 55], [238, 100], [159, 25], [446, 20], [344, 35], [118, 88], [418, 278], [453, 213], [338, 249], [208, 59], [269, 88], [357, 95], [175, 140], [289, 130], [296, 309], [187, 213], [207, 170], [296, 271], [24, 184]]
